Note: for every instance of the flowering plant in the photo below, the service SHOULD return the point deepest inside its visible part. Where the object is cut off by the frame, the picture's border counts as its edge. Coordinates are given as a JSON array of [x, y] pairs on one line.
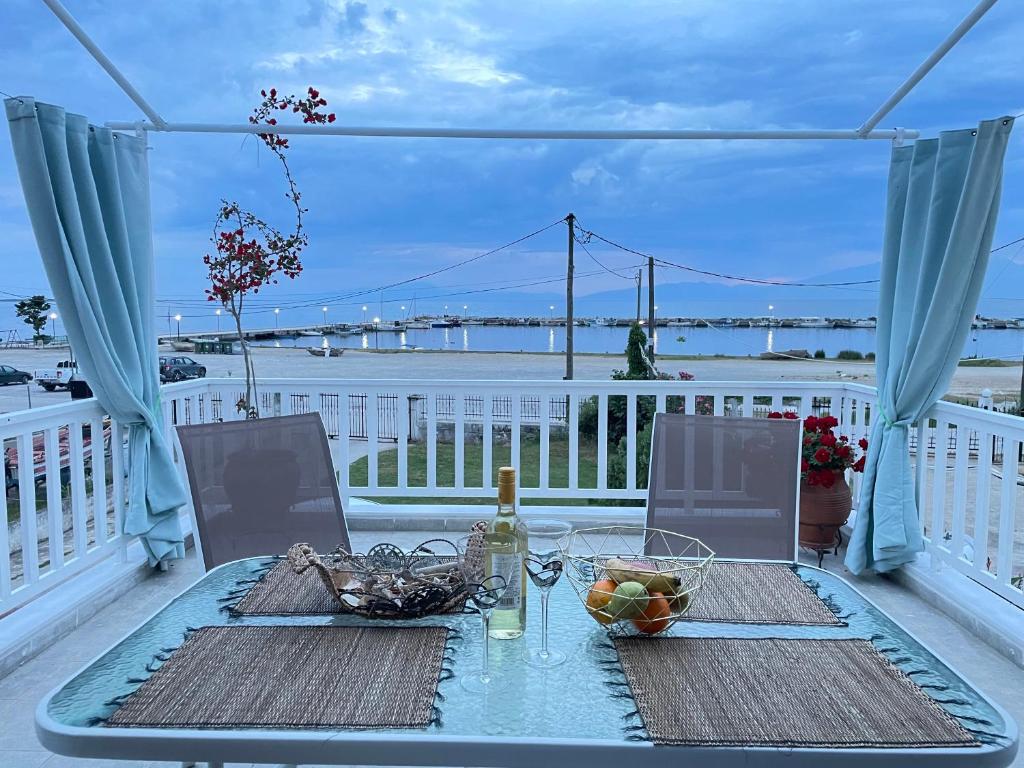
[[250, 253], [824, 453]]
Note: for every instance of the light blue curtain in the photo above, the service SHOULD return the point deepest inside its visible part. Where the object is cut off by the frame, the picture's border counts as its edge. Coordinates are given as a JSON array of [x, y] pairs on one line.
[[87, 192], [943, 199]]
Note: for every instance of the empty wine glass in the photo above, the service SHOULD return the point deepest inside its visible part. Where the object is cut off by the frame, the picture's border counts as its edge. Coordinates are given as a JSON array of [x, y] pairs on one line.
[[488, 562], [544, 564]]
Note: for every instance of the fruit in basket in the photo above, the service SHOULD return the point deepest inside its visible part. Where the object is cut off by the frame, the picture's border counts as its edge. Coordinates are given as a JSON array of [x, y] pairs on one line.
[[647, 576], [679, 602], [598, 598], [629, 600], [656, 615]]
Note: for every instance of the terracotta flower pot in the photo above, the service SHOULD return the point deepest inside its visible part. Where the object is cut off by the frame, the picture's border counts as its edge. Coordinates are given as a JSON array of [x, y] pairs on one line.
[[823, 511]]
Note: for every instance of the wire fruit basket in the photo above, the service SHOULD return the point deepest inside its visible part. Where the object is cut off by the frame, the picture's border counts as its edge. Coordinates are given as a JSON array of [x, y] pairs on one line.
[[626, 586]]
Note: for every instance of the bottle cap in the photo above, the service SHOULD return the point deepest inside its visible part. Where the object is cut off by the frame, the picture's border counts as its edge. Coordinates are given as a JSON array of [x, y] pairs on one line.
[[506, 485]]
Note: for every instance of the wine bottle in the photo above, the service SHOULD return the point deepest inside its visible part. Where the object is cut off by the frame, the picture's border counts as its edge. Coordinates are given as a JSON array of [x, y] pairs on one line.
[[509, 618]]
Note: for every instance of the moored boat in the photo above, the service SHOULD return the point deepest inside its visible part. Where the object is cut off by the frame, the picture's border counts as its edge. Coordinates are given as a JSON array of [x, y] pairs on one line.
[[328, 351]]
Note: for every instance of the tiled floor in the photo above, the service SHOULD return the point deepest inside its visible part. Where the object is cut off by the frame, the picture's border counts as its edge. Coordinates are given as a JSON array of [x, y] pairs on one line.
[[21, 690]]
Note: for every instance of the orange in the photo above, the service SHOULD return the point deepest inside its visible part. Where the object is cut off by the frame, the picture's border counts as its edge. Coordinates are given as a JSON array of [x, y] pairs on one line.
[[599, 596], [655, 616]]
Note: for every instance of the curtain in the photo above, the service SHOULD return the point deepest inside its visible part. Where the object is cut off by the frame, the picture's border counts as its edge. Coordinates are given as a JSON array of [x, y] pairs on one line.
[[943, 198], [87, 193]]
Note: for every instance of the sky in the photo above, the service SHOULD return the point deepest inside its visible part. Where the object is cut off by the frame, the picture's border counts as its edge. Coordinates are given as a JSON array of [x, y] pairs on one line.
[[384, 210]]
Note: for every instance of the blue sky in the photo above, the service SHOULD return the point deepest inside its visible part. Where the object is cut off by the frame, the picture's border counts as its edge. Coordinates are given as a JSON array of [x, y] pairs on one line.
[[381, 210]]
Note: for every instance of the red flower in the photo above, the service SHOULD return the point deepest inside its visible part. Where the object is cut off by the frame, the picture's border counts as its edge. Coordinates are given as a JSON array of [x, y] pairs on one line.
[[774, 415], [808, 440], [863, 443], [790, 415], [826, 478], [843, 451], [804, 465], [811, 423], [330, 118], [859, 464], [827, 422], [827, 438], [822, 455]]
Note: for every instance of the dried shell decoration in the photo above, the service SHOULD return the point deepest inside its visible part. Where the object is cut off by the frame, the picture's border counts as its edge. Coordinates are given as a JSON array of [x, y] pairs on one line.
[[386, 583]]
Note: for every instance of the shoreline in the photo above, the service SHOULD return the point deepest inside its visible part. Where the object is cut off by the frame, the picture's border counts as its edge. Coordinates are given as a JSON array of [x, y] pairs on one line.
[[468, 365]]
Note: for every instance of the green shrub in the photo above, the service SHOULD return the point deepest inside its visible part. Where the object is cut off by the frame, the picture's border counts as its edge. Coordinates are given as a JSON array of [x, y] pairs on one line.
[[819, 354], [850, 354], [869, 356]]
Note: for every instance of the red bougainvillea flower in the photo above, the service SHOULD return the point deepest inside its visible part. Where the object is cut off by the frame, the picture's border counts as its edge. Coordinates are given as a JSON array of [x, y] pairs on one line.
[[858, 466], [775, 415], [811, 423], [822, 455], [790, 415], [827, 422], [863, 443], [843, 451]]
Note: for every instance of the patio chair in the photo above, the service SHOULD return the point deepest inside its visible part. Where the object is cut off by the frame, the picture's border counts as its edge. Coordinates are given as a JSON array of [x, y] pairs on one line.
[[731, 482], [260, 485]]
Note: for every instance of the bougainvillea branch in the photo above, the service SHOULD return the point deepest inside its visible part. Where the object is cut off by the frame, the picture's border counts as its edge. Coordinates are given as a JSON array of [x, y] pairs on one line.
[[250, 253]]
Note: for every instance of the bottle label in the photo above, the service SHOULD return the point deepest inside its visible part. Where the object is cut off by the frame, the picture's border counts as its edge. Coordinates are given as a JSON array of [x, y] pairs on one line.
[[512, 564]]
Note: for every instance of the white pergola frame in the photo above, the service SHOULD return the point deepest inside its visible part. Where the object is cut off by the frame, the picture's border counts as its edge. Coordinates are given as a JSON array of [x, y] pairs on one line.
[[867, 130]]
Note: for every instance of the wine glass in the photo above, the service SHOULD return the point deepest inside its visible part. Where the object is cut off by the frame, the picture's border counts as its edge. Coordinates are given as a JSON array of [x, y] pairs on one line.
[[544, 564], [488, 562]]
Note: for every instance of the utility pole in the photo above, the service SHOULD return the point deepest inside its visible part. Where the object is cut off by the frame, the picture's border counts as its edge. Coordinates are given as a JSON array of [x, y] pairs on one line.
[[569, 322], [650, 308], [639, 282]]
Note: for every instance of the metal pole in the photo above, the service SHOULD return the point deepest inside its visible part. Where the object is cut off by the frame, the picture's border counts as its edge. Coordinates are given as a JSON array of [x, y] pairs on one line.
[[650, 307], [1020, 402], [101, 58], [569, 319], [527, 134], [926, 66]]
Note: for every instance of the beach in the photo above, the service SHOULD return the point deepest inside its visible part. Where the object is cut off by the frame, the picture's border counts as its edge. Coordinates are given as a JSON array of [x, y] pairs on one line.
[[271, 362]]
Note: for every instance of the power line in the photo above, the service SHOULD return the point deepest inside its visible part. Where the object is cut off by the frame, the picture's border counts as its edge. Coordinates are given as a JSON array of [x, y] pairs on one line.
[[582, 242]]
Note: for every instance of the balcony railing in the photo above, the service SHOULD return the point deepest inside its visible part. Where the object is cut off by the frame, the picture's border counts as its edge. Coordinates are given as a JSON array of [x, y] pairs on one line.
[[406, 442]]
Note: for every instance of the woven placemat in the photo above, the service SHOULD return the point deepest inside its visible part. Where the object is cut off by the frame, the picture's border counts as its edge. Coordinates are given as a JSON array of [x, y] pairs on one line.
[[293, 677], [780, 693], [759, 593]]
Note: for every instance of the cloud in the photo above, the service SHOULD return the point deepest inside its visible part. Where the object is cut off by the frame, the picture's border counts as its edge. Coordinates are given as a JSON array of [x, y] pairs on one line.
[[354, 19]]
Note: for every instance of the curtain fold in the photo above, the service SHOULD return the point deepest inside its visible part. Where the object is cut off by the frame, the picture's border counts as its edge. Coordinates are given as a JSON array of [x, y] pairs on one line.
[[943, 199], [87, 193]]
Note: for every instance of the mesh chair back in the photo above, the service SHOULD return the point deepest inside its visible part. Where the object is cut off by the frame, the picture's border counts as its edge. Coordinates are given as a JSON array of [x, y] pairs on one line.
[[731, 482], [261, 485]]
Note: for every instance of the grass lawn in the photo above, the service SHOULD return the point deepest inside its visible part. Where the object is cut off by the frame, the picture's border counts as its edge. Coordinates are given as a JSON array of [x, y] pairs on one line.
[[558, 465]]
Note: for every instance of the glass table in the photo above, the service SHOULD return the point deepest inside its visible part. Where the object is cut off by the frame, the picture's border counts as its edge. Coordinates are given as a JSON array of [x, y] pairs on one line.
[[564, 715]]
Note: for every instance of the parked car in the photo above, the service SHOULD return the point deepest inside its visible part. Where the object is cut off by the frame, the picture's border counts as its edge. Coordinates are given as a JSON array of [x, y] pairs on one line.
[[11, 375], [52, 378], [180, 368]]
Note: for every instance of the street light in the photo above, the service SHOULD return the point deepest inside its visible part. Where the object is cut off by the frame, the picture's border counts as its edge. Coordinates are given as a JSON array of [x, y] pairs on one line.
[[551, 312], [771, 314], [364, 314], [324, 310], [53, 327], [277, 315], [177, 319], [217, 313]]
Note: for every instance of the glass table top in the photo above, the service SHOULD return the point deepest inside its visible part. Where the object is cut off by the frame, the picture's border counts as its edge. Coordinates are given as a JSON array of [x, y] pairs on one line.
[[571, 701]]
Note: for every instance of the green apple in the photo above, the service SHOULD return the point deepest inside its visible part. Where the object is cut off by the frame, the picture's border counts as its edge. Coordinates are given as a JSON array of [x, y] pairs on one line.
[[628, 601]]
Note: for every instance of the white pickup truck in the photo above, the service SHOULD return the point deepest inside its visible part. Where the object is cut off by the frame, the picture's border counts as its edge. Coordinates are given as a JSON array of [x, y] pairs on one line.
[[52, 378]]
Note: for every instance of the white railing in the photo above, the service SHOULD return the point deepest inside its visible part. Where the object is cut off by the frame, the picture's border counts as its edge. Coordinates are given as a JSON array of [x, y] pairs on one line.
[[64, 474], [408, 439]]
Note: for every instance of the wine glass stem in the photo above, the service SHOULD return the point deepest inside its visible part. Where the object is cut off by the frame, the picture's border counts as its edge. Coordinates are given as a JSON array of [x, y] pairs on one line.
[[484, 675], [544, 623]]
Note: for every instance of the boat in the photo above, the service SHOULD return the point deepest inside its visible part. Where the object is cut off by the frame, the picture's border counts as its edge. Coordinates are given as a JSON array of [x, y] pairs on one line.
[[417, 325], [310, 333], [472, 322], [440, 324], [328, 351], [604, 322], [183, 346]]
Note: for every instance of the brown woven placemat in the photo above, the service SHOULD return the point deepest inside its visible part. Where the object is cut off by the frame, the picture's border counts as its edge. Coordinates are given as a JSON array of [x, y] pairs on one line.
[[758, 593], [293, 677], [780, 693]]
